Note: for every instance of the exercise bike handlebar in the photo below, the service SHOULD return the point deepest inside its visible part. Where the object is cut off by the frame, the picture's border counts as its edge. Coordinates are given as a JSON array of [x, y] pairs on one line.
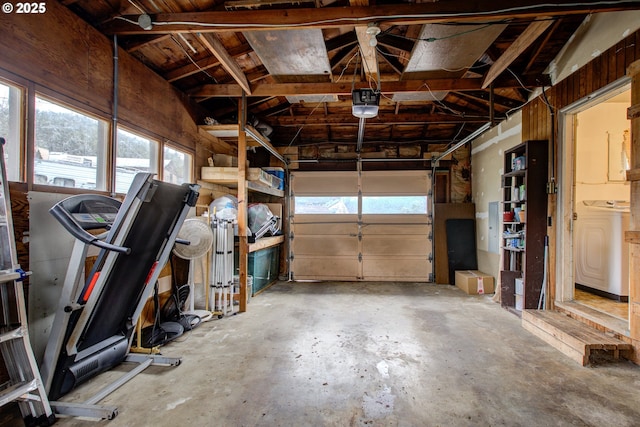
[[71, 225]]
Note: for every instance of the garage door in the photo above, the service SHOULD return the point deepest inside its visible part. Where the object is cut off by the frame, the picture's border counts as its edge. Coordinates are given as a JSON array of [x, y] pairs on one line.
[[361, 226]]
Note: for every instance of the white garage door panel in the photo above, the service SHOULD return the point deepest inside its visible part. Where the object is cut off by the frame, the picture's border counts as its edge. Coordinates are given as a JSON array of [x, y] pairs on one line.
[[325, 268], [379, 229], [326, 245], [325, 183], [416, 245], [397, 269], [326, 224], [393, 183]]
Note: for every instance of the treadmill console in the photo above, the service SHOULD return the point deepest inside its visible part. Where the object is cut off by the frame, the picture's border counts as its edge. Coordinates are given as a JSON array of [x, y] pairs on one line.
[[92, 211]]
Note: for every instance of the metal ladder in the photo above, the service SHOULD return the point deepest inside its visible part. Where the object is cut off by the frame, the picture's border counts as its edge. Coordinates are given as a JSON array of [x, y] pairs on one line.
[[25, 384]]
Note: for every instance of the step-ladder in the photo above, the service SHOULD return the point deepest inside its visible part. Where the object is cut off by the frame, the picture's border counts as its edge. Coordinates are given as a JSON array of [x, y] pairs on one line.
[[25, 384]]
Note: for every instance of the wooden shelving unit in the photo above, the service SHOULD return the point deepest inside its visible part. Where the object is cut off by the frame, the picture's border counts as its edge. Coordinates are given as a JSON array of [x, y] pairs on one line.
[[266, 242], [246, 136], [230, 133], [524, 188]]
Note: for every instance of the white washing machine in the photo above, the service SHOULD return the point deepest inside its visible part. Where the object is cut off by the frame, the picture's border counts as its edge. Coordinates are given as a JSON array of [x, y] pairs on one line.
[[601, 254]]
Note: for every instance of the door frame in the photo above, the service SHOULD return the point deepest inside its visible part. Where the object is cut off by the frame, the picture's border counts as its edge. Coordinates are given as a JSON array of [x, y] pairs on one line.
[[564, 271]]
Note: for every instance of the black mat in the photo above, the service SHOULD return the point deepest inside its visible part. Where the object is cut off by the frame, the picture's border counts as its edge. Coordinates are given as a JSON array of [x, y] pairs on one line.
[[461, 246]]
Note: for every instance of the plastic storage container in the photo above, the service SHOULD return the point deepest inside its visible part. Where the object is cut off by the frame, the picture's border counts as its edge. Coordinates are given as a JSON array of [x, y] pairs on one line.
[[278, 172], [264, 267]]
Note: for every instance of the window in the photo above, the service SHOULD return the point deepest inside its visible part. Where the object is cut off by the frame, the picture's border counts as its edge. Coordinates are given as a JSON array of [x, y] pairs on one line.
[[134, 154], [70, 147], [177, 166], [11, 117], [394, 204], [326, 205]]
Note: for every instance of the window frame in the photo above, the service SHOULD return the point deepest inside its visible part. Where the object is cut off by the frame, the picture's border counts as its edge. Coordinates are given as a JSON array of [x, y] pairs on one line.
[[154, 161], [175, 147], [26, 145], [19, 145], [103, 166]]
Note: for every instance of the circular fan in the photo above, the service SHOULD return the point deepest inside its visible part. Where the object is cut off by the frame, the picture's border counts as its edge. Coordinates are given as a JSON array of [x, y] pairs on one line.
[[199, 236]]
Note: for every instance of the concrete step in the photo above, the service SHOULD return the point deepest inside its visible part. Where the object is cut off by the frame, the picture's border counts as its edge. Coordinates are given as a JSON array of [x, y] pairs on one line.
[[575, 339]]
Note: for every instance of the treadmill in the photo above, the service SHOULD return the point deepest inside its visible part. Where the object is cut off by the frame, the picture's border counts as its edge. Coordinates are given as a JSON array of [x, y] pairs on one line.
[[95, 320]]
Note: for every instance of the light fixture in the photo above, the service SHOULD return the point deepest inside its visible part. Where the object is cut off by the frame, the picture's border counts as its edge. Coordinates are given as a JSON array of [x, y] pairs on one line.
[[144, 21], [365, 103], [373, 30]]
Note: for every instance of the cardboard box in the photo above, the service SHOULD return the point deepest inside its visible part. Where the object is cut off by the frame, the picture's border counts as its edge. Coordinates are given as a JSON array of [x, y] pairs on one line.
[[225, 160], [474, 282], [229, 175]]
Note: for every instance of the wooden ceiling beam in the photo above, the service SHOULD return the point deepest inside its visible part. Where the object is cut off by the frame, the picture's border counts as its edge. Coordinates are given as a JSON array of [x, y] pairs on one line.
[[385, 119], [524, 40], [228, 63], [286, 89], [344, 88], [369, 57], [367, 43], [333, 17], [542, 45], [484, 96]]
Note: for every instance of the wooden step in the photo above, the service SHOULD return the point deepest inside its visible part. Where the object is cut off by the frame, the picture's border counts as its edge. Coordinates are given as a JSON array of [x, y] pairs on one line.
[[575, 339]]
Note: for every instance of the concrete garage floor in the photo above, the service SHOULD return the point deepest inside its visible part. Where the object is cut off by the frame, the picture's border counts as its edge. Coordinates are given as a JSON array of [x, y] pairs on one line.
[[370, 354]]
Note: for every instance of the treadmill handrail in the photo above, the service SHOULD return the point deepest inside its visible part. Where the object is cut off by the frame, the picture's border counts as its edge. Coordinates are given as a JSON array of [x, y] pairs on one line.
[[72, 226]]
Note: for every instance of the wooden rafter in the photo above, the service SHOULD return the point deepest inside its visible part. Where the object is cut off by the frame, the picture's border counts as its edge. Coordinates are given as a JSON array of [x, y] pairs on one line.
[[144, 41], [528, 36], [341, 41], [542, 45], [213, 44], [390, 59], [204, 64], [191, 68], [485, 97], [369, 57], [341, 55], [396, 42]]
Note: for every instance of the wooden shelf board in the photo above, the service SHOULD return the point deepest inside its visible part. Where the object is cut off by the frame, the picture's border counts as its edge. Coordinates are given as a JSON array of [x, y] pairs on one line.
[[230, 132], [251, 186], [519, 172], [257, 187], [265, 242]]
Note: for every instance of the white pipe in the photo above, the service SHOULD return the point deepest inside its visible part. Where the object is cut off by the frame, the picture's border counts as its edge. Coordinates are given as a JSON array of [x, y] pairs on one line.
[[472, 136]]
